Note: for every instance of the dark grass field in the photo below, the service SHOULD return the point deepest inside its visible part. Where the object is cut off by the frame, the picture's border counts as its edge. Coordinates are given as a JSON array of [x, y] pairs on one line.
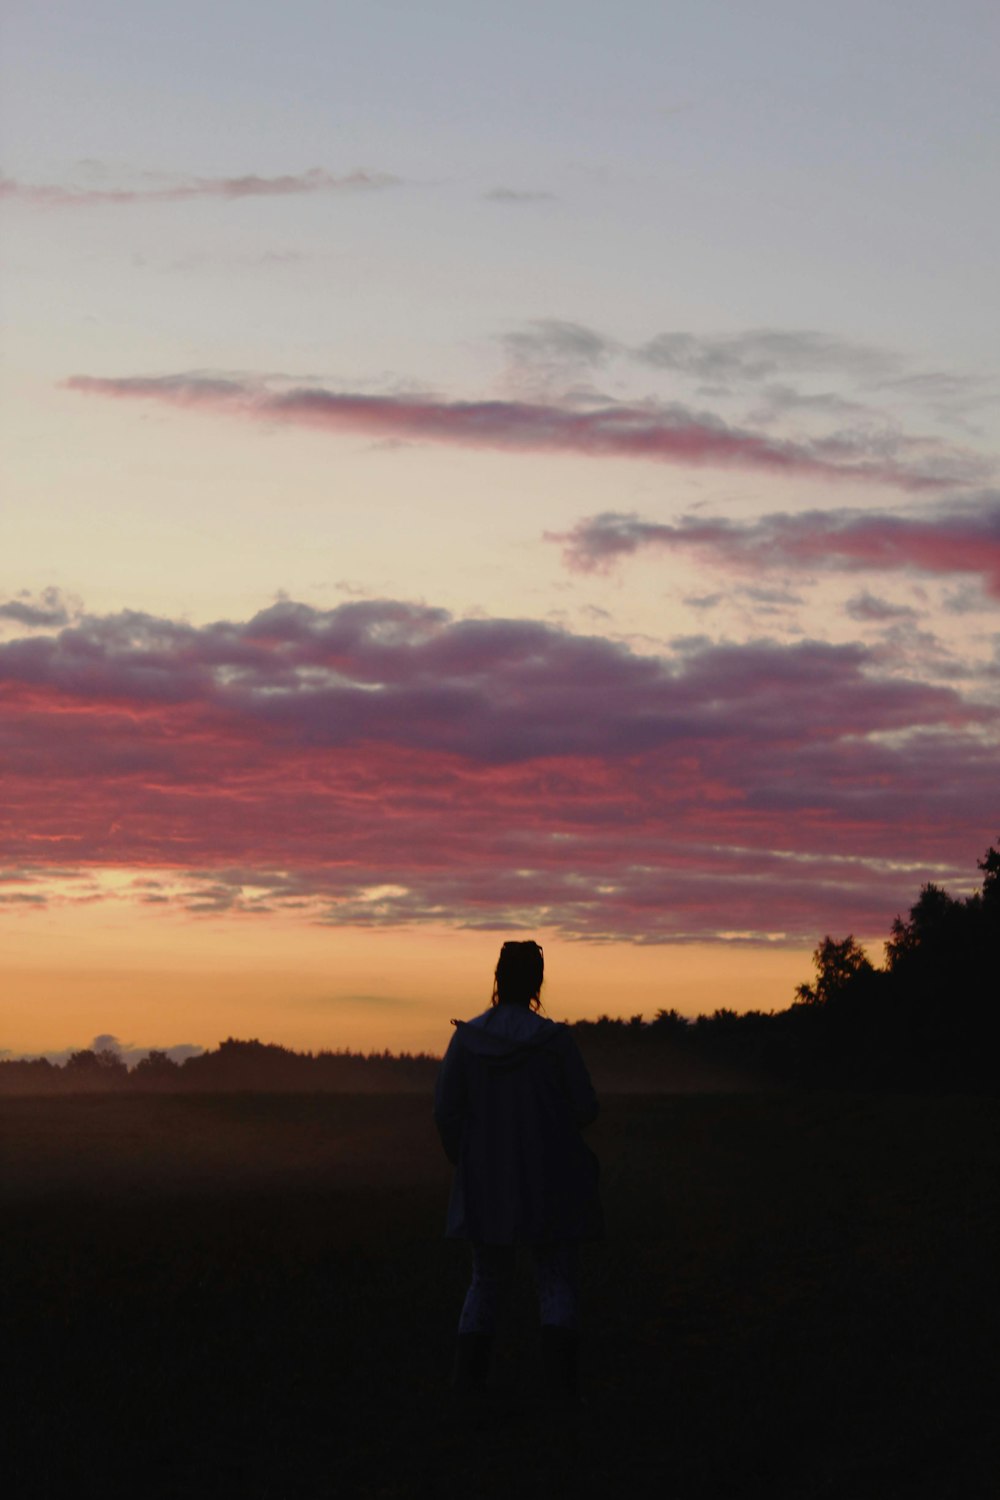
[[250, 1295]]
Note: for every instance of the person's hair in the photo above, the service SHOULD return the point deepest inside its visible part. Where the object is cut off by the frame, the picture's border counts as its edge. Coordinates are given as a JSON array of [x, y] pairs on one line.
[[518, 976]]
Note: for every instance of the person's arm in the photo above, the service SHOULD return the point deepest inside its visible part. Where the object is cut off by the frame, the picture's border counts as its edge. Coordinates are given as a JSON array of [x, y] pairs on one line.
[[580, 1090], [449, 1099]]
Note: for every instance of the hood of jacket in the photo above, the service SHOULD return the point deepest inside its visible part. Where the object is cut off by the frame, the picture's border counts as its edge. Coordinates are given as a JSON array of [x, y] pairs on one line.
[[506, 1034]]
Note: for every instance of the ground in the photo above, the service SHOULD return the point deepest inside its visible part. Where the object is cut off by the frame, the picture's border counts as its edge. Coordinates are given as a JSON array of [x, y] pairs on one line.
[[250, 1294]]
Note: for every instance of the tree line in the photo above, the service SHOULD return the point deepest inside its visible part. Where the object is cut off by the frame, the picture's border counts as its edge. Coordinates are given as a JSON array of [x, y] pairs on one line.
[[920, 1020], [233, 1065]]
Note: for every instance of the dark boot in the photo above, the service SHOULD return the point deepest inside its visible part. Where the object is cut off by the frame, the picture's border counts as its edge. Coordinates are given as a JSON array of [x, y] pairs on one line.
[[472, 1362], [561, 1362]]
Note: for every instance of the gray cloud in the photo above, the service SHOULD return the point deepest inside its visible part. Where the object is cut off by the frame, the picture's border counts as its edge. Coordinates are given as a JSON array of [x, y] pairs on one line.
[[722, 360], [778, 400], [870, 608], [48, 608], [773, 373], [762, 353]]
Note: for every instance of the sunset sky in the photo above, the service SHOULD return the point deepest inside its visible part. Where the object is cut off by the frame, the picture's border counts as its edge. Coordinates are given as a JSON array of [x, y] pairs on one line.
[[480, 470]]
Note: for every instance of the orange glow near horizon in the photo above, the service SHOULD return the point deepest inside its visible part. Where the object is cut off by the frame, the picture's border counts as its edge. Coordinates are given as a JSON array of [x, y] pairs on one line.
[[160, 979]]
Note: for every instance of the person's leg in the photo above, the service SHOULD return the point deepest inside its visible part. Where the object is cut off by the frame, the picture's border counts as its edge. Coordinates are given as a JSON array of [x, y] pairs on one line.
[[492, 1272], [557, 1280]]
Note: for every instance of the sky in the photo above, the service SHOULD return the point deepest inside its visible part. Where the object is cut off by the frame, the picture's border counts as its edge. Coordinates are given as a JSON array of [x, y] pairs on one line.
[[476, 471]]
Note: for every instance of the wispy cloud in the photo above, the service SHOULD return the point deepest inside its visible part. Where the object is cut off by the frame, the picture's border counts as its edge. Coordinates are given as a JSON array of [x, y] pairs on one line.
[[763, 353], [519, 195], [745, 358], [960, 538], [384, 762], [661, 433], [316, 180], [774, 373]]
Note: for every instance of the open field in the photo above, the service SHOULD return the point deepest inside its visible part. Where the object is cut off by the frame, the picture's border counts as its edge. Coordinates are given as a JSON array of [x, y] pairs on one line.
[[249, 1294]]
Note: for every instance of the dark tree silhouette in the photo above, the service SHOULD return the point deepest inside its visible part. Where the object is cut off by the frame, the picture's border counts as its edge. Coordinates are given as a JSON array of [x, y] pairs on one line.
[[88, 1069], [936, 921], [990, 866], [838, 965], [157, 1069]]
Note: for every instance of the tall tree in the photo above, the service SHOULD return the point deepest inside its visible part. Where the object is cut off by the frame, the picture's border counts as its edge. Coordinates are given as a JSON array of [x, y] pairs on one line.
[[838, 965]]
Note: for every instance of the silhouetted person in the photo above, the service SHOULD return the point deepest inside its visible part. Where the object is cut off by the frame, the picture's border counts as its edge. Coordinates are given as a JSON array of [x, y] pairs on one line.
[[512, 1096]]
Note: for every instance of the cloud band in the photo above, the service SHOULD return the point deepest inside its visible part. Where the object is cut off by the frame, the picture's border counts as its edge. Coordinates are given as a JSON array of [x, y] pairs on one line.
[[487, 772]]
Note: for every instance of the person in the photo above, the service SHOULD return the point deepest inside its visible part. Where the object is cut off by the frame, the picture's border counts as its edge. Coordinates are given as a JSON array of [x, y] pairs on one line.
[[511, 1099]]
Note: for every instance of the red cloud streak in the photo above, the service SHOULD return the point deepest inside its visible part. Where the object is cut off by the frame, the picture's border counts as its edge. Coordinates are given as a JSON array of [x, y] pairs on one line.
[[663, 434], [491, 772], [962, 538]]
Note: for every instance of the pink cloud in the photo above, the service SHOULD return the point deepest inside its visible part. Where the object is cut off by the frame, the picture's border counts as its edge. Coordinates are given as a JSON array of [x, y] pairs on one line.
[[962, 538], [658, 433], [316, 180], [488, 772]]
